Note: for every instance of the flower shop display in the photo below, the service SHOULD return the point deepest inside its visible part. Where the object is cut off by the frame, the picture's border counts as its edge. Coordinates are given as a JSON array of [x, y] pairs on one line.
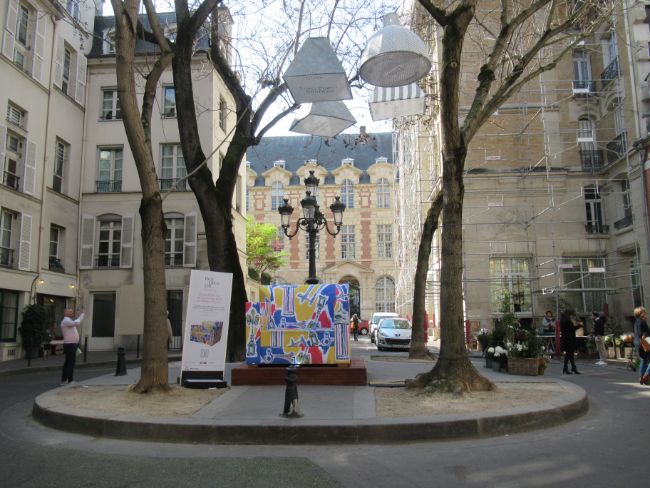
[[500, 359], [524, 353]]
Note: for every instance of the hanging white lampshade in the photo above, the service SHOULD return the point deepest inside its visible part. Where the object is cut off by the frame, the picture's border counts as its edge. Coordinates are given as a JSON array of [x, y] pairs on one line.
[[316, 74], [398, 101], [325, 119], [394, 56]]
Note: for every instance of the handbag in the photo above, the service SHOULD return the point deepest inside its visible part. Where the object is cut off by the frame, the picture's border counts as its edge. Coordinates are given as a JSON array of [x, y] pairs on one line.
[[645, 345]]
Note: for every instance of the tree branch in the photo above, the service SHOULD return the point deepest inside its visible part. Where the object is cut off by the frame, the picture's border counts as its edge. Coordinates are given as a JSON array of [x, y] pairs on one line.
[[438, 14]]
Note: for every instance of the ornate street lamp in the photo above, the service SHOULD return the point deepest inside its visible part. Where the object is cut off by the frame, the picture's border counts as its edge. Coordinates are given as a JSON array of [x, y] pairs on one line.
[[312, 220]]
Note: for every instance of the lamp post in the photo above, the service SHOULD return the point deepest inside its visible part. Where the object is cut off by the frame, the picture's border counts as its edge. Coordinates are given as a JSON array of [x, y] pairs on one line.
[[312, 220]]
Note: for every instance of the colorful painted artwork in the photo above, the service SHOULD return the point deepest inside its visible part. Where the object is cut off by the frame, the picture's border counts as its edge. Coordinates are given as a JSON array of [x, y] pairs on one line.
[[299, 324], [206, 333]]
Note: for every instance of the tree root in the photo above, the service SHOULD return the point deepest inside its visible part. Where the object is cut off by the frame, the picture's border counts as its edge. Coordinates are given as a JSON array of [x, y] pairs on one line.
[[451, 376], [147, 387]]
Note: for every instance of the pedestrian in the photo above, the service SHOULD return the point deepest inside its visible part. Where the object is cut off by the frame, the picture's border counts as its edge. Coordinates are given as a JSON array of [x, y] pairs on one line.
[[548, 324], [568, 328], [70, 344], [641, 331], [170, 332], [599, 338], [354, 324]]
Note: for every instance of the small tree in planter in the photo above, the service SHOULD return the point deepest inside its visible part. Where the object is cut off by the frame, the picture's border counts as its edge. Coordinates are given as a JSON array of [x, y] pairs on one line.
[[34, 327]]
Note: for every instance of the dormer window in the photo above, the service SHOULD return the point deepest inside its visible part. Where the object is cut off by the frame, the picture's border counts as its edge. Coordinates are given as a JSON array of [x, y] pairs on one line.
[[381, 159], [311, 161], [109, 41], [347, 162], [280, 163], [169, 101], [248, 164]]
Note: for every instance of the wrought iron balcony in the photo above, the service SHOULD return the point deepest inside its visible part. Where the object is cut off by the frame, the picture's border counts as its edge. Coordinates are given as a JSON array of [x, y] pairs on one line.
[[617, 147], [108, 186], [168, 183], [56, 265], [6, 257], [583, 87], [591, 159], [107, 261], [593, 228], [624, 222], [610, 72], [10, 180]]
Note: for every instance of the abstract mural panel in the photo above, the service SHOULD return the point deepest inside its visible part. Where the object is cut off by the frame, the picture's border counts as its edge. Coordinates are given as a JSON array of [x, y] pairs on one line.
[[299, 324]]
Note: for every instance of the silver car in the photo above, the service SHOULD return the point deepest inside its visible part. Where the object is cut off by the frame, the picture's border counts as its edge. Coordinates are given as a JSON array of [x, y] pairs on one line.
[[393, 333]]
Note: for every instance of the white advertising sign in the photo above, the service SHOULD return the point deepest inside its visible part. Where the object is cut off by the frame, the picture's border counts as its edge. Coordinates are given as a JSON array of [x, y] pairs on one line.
[[206, 321]]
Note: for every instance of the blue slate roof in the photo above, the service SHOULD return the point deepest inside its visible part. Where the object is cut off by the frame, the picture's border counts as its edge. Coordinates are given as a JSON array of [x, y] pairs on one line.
[[329, 153]]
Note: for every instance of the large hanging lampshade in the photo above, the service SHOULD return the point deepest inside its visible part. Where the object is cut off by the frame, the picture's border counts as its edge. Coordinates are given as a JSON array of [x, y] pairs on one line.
[[398, 101], [316, 74], [394, 56], [325, 119]]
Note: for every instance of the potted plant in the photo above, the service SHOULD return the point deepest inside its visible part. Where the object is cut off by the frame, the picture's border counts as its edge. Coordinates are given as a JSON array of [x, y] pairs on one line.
[[34, 328], [524, 354]]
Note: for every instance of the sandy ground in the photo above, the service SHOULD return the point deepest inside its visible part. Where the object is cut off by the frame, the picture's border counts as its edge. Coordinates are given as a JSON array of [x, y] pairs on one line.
[[390, 402]]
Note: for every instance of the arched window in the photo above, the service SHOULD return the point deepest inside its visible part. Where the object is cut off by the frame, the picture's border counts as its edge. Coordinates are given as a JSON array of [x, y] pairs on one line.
[[385, 295], [347, 193], [277, 194], [383, 193]]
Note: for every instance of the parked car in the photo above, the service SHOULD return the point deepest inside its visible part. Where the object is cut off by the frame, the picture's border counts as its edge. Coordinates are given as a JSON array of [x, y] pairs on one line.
[[394, 333], [374, 322]]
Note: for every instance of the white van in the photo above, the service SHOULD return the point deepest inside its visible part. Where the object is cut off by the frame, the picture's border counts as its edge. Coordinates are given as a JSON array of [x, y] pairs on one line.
[[376, 317]]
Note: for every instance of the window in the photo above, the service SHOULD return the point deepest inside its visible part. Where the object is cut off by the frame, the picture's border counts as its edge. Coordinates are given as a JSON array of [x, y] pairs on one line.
[[383, 193], [582, 79], [278, 244], [385, 295], [110, 170], [277, 194], [67, 63], [316, 246], [172, 167], [347, 193], [72, 6], [111, 105], [16, 115], [61, 155], [56, 243], [586, 136], [169, 101], [511, 275], [70, 71], [223, 114], [238, 193], [174, 241], [385, 240], [625, 195], [109, 241], [582, 277], [6, 238], [8, 315], [348, 250], [21, 49], [593, 207], [13, 160]]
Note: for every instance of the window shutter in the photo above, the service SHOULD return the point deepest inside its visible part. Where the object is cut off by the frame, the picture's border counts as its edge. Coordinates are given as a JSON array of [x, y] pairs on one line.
[[58, 62], [80, 93], [3, 143], [87, 251], [189, 251], [25, 244], [126, 249], [29, 170], [9, 38], [39, 47]]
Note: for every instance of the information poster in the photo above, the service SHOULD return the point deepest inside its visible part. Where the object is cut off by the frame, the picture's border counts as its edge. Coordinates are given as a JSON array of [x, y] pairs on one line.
[[206, 321]]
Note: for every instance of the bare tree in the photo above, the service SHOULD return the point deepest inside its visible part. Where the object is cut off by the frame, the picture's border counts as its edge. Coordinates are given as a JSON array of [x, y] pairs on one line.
[[530, 37]]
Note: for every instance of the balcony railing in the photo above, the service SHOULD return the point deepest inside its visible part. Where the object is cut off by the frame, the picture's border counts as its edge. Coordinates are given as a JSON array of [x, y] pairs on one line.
[[168, 183], [596, 228], [591, 159], [10, 180], [174, 260], [624, 222], [583, 87], [56, 265], [610, 72], [108, 261], [617, 147], [107, 186], [6, 257]]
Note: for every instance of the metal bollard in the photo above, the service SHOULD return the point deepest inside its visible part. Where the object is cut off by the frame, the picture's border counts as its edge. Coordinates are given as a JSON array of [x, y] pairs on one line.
[[120, 370], [291, 394]]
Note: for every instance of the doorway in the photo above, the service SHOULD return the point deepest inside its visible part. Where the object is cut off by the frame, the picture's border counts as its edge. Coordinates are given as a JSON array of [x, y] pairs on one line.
[[355, 295], [103, 325]]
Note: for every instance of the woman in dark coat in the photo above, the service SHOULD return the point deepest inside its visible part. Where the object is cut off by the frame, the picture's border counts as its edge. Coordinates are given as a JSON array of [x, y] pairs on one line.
[[641, 331], [568, 341]]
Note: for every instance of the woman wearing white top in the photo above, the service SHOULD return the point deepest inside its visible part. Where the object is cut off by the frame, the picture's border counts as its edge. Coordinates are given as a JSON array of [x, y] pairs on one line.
[[70, 344]]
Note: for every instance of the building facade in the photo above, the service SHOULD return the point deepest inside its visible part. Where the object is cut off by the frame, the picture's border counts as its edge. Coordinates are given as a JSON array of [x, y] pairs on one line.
[[360, 170], [556, 199], [70, 192]]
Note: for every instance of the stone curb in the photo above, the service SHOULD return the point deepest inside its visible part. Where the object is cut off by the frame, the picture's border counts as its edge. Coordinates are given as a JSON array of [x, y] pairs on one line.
[[78, 365], [559, 410]]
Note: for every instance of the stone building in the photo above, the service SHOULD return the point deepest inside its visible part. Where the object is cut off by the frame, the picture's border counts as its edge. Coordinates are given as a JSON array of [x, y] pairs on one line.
[[359, 169]]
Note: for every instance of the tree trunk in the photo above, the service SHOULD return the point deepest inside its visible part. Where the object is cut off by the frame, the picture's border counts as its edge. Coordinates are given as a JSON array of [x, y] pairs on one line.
[[418, 347]]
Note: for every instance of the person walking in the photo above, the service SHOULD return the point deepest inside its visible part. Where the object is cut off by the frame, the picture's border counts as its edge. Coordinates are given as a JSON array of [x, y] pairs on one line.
[[568, 341], [70, 344], [599, 338], [641, 331], [354, 323]]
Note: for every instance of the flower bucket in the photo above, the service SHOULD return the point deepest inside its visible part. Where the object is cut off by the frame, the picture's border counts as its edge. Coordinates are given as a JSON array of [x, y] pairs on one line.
[[523, 366]]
